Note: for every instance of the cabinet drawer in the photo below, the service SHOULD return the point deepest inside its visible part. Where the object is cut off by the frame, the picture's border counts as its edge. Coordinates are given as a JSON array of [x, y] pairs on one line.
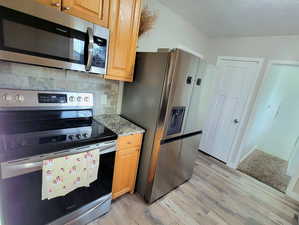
[[129, 141]]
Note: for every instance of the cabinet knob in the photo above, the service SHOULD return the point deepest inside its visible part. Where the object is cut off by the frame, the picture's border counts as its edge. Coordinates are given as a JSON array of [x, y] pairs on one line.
[[57, 4], [66, 8]]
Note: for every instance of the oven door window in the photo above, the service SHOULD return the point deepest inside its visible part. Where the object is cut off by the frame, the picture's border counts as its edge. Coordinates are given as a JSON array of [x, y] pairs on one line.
[[21, 33], [21, 196]]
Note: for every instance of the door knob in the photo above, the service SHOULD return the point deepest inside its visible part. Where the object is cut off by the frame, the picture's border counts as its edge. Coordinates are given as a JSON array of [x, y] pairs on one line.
[[236, 121]]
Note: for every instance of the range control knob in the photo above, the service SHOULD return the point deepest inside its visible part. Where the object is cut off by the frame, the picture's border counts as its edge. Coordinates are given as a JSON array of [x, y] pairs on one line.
[[72, 99], [79, 99], [78, 136], [85, 135], [7, 97], [71, 137], [86, 99], [20, 98]]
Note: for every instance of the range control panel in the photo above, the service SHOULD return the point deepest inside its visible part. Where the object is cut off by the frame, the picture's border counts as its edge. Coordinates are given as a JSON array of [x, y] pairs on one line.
[[27, 98]]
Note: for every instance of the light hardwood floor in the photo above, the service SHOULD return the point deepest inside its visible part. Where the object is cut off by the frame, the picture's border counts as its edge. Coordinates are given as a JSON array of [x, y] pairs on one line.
[[216, 195]]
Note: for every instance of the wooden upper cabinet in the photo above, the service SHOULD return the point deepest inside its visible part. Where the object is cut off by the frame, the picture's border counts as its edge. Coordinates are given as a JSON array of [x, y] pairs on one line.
[[95, 11], [52, 3], [124, 26]]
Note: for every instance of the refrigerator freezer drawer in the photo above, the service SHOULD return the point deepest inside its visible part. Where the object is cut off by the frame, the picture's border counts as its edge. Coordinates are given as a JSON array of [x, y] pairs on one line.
[[175, 164], [186, 159], [165, 173]]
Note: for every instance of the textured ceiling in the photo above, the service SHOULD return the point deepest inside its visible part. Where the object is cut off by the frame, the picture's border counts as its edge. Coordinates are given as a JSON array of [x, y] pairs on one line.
[[240, 17]]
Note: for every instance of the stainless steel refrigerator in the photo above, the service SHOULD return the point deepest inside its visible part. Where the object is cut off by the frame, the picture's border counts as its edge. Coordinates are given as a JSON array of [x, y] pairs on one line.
[[164, 99]]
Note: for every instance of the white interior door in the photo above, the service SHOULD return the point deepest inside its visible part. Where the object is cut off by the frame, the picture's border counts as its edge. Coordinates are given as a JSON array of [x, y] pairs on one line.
[[235, 85]]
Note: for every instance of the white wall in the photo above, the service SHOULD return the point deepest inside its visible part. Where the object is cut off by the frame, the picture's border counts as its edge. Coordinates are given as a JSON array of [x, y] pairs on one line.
[[276, 126], [171, 31], [269, 48]]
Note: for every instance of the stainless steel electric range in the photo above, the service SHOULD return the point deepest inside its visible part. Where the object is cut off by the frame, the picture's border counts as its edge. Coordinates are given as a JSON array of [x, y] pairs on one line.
[[39, 125]]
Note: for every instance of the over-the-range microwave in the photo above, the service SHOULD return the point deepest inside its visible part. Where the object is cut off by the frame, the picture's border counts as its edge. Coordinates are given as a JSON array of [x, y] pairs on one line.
[[36, 34]]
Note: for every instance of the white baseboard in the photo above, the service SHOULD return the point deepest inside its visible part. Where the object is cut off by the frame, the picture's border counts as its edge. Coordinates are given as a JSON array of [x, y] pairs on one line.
[[234, 165], [290, 189], [248, 153]]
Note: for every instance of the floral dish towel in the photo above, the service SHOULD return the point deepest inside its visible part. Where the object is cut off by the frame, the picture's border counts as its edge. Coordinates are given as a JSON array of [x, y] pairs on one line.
[[63, 175]]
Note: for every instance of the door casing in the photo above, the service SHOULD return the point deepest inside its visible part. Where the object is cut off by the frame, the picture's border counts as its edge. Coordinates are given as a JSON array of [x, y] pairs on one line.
[[251, 118]]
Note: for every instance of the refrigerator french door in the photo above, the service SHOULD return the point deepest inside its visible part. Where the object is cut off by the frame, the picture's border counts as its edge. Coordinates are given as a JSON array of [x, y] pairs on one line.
[[183, 79]]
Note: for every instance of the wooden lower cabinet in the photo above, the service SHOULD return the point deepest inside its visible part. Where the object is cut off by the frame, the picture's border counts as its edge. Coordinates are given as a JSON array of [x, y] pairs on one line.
[[125, 168]]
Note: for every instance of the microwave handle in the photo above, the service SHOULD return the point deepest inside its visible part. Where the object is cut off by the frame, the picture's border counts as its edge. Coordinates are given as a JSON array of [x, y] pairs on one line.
[[90, 49]]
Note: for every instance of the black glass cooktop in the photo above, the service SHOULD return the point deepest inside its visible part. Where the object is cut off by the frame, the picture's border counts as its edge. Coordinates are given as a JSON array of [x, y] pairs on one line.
[[26, 134]]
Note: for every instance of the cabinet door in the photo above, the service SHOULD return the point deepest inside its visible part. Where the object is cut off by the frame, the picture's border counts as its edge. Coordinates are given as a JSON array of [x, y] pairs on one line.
[[95, 11], [125, 169], [53, 3], [124, 26]]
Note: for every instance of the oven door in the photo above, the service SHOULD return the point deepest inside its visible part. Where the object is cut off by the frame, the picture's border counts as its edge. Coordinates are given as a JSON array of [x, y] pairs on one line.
[[28, 39], [21, 197]]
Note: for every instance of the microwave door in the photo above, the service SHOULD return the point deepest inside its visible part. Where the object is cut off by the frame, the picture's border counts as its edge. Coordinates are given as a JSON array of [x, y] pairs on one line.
[[41, 42]]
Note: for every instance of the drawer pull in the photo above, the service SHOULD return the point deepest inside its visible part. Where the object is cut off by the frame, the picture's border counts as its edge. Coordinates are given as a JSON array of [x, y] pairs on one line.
[[56, 4], [66, 8]]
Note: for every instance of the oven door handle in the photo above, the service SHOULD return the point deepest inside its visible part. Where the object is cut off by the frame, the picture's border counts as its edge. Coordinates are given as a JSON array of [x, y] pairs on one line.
[[14, 169], [90, 49]]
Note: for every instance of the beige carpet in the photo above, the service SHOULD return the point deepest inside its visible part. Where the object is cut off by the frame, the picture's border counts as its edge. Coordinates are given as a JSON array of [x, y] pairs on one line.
[[267, 169]]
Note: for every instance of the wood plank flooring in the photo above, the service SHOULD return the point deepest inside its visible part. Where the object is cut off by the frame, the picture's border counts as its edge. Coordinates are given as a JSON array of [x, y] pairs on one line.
[[216, 195]]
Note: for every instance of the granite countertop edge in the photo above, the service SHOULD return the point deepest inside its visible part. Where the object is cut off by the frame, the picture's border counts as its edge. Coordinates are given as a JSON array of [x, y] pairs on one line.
[[119, 125]]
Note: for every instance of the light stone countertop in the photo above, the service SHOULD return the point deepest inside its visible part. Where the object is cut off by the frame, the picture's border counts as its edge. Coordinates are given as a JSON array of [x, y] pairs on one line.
[[119, 125]]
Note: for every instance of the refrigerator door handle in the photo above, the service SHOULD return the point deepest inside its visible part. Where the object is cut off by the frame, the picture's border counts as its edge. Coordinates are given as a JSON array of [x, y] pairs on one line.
[[165, 99]]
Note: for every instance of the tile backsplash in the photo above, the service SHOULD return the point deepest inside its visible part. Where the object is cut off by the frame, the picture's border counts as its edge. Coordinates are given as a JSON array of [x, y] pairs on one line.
[[21, 76]]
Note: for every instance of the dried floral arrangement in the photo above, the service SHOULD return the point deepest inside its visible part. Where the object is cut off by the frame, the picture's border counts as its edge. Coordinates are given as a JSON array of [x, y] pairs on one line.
[[147, 20]]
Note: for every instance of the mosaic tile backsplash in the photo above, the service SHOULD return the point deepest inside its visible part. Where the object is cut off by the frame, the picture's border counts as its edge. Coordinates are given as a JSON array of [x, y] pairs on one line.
[[21, 76]]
